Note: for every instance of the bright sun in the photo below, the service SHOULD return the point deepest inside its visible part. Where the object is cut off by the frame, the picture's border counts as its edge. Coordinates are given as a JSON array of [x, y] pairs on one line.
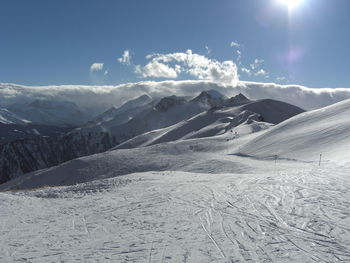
[[290, 3]]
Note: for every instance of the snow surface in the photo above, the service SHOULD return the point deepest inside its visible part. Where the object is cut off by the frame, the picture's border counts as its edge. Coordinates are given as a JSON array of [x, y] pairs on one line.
[[293, 213], [208, 155], [304, 137]]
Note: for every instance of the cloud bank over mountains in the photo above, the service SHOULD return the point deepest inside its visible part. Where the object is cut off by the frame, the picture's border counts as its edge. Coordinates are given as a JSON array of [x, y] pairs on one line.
[[95, 99]]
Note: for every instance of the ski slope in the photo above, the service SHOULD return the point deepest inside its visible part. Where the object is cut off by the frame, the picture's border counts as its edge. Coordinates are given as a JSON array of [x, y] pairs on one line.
[[304, 137], [192, 199], [293, 213]]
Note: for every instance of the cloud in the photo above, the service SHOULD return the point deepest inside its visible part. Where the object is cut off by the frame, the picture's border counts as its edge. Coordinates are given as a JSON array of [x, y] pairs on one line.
[[208, 50], [256, 64], [125, 58], [262, 73], [255, 69], [96, 67], [96, 99], [235, 44], [282, 80], [156, 69], [239, 57], [246, 70], [171, 65]]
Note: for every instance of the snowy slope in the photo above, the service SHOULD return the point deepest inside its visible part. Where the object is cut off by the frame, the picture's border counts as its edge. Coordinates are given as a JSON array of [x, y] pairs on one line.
[[306, 136], [159, 114], [8, 117], [209, 155], [218, 121], [205, 124]]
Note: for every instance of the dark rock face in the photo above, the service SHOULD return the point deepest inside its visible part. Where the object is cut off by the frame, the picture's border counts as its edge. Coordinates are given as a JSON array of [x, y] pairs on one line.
[[168, 102], [210, 99], [237, 100], [13, 132], [27, 155]]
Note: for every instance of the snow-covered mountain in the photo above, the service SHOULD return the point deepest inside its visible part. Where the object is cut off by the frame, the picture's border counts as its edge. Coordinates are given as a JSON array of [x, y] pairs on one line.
[[218, 121], [184, 119], [142, 115], [26, 122], [49, 112], [122, 114], [211, 98], [304, 137], [8, 117], [37, 152]]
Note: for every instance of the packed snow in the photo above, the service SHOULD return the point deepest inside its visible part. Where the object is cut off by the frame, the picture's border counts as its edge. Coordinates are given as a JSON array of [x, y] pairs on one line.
[[291, 213]]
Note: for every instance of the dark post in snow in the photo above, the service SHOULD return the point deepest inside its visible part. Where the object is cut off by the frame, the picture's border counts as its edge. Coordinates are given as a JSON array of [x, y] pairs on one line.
[[319, 163], [275, 160]]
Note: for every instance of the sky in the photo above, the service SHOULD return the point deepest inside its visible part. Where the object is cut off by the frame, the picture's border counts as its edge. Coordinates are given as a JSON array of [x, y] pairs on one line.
[[109, 42]]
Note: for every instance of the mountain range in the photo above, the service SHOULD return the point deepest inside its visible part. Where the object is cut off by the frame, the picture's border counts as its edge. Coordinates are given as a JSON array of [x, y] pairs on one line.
[[139, 122]]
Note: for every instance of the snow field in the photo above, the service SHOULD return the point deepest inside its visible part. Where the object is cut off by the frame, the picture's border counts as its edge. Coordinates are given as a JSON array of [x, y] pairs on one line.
[[295, 213]]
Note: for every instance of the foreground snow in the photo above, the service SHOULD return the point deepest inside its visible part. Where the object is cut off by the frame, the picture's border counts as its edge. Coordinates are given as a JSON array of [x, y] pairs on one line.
[[293, 213]]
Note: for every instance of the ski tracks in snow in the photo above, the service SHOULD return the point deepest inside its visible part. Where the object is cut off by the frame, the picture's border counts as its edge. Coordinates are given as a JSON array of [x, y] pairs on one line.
[[294, 215]]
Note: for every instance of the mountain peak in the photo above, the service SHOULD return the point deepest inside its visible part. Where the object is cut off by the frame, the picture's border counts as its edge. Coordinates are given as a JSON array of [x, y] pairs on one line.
[[238, 99], [211, 98], [167, 102]]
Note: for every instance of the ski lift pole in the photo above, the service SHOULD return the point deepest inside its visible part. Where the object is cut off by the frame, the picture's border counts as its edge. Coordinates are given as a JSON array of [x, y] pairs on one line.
[[319, 163], [275, 156]]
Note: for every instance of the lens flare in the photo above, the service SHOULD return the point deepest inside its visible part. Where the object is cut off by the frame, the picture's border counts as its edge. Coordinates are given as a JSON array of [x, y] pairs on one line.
[[291, 4]]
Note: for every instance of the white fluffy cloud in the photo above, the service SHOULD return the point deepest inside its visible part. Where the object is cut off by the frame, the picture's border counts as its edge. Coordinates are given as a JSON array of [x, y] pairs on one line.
[[125, 58], [156, 69], [254, 69], [96, 67], [235, 44], [256, 64], [172, 64], [262, 72], [246, 70]]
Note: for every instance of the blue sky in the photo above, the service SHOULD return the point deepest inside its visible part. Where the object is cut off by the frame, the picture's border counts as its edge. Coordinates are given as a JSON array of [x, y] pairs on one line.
[[57, 42]]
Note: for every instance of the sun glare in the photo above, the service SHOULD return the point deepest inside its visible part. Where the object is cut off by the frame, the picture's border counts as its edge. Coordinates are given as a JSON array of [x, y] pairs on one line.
[[291, 4]]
